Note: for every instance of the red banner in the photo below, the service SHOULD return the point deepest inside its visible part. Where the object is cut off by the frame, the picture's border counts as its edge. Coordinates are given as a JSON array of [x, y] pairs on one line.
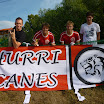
[[33, 68]]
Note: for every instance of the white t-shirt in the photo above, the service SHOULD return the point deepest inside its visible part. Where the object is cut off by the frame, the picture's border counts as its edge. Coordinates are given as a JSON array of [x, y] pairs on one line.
[[89, 31]]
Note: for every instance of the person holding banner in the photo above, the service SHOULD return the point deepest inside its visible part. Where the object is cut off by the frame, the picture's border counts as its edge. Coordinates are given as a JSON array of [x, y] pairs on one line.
[[69, 36], [44, 36], [18, 37], [90, 31], [17, 34]]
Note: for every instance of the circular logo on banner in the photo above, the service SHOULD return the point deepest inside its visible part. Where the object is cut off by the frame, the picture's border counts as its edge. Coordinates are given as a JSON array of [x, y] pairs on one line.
[[89, 65]]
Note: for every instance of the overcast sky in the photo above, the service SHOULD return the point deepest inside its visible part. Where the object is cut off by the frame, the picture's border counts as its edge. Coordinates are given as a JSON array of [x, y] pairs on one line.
[[11, 9]]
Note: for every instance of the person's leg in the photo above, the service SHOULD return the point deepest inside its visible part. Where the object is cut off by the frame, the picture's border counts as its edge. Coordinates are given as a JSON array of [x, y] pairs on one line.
[[27, 97]]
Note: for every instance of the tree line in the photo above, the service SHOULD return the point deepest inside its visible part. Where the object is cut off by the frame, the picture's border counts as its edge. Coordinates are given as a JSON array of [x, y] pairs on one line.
[[74, 10]]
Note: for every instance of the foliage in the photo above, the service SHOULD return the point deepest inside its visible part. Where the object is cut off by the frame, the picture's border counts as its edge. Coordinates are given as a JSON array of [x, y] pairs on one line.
[[3, 42], [97, 7], [74, 10]]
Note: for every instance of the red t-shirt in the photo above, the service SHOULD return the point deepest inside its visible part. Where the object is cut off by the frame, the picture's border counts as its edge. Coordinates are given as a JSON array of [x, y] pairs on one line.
[[68, 39], [44, 40]]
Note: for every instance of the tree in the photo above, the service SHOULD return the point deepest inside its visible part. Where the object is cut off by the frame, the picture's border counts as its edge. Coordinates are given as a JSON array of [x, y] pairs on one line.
[[74, 10], [4, 42], [97, 7], [32, 26]]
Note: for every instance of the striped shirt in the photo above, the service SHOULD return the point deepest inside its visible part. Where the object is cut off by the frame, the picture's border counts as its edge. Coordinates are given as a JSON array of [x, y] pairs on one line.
[[44, 40], [69, 39]]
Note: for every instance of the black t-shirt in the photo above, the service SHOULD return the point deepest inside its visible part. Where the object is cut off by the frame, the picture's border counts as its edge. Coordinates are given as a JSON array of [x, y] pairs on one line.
[[20, 36]]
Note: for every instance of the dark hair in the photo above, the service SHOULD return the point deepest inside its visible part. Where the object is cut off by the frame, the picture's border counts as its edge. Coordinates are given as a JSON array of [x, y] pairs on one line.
[[19, 18], [89, 14], [45, 24]]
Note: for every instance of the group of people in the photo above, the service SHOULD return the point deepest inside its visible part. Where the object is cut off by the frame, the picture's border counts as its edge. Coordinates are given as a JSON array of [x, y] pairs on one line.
[[89, 31]]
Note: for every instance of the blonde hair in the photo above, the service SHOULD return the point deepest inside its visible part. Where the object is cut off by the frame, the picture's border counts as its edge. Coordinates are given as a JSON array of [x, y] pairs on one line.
[[69, 22]]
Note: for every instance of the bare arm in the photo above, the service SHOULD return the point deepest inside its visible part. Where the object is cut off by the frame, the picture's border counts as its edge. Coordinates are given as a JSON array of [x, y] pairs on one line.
[[81, 37], [78, 42], [98, 36], [53, 44], [62, 43], [16, 44]]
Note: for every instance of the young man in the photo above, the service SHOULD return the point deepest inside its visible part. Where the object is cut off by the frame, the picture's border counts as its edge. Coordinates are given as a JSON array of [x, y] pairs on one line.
[[17, 34], [90, 31], [69, 36], [44, 36], [18, 37]]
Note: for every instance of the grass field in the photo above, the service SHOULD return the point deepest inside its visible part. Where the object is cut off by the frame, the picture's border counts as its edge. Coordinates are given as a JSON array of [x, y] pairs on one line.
[[92, 95]]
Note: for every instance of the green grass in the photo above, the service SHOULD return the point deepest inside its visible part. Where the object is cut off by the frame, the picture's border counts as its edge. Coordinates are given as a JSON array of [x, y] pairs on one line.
[[92, 95]]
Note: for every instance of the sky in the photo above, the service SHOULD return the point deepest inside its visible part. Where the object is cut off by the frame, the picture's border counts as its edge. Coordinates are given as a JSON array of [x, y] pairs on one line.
[[11, 9]]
